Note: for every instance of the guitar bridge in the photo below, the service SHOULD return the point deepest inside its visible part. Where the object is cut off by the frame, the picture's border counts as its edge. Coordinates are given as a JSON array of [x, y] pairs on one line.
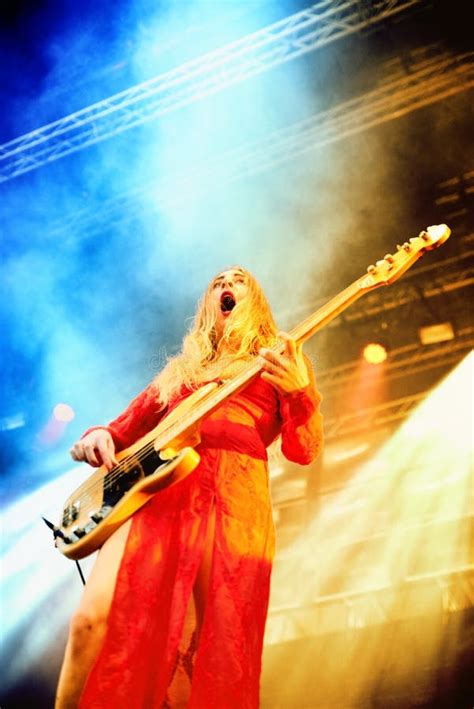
[[70, 514]]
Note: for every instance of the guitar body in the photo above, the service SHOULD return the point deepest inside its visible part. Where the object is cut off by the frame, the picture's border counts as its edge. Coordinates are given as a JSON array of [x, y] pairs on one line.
[[108, 498]]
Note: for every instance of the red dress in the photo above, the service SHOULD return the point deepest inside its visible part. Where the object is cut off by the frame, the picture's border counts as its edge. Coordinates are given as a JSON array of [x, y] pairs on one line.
[[150, 648]]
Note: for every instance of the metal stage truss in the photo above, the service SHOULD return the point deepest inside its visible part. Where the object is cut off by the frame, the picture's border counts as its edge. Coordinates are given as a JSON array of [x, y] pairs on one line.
[[387, 413], [283, 41], [453, 588], [422, 282], [402, 362], [426, 84]]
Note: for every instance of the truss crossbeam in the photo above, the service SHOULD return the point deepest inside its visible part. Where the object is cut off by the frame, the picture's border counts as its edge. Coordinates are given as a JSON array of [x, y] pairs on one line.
[[448, 76], [389, 412], [443, 278], [456, 574], [402, 362], [303, 32], [448, 591]]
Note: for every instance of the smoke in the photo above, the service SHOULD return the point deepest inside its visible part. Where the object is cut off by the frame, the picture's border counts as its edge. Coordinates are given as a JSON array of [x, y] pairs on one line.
[[107, 250], [101, 289]]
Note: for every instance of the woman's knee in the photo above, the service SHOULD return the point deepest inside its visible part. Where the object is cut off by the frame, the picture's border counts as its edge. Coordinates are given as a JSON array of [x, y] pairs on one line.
[[86, 628]]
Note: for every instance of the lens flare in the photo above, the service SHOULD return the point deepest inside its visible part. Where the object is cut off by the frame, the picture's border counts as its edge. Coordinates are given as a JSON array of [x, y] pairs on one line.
[[63, 413]]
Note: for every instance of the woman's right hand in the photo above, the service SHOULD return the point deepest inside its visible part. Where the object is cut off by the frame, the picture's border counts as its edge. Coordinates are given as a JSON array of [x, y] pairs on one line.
[[96, 448]]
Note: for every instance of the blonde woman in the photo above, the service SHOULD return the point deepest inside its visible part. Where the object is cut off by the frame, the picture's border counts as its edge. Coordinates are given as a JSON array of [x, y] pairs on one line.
[[173, 613]]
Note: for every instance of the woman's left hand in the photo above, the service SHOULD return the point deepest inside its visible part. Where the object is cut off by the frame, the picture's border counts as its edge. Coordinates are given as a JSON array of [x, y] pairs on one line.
[[287, 372]]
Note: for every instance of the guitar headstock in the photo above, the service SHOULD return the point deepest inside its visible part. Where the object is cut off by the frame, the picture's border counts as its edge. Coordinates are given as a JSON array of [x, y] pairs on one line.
[[392, 266]]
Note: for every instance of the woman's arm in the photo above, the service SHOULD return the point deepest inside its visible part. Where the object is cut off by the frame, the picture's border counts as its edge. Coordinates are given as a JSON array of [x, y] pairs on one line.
[[293, 377], [302, 423], [98, 444]]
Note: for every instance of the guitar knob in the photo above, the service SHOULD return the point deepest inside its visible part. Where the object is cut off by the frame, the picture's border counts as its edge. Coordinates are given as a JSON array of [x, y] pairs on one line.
[[79, 531]]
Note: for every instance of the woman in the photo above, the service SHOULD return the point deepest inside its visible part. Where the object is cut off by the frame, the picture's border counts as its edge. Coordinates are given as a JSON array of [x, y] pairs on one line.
[[174, 610]]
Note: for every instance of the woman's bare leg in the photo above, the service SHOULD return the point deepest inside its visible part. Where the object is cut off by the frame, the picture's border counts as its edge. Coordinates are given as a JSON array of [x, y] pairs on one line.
[[201, 585], [89, 622]]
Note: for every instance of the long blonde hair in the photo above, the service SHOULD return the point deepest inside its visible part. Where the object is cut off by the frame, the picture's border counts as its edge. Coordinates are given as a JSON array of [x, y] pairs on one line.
[[204, 356]]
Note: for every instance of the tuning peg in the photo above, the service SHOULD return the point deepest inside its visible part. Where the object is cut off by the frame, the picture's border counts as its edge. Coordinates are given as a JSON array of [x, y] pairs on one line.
[[406, 246], [413, 239], [371, 269], [388, 258], [424, 235]]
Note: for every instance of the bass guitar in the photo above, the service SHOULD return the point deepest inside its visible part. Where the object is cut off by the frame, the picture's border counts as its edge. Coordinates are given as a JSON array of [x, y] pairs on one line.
[[166, 455]]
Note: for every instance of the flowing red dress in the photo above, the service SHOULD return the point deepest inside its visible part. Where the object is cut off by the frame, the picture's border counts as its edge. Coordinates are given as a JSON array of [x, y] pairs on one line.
[[149, 653]]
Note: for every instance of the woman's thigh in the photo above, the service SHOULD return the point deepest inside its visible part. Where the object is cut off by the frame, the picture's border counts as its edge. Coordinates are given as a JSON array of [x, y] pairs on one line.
[[201, 585], [99, 589]]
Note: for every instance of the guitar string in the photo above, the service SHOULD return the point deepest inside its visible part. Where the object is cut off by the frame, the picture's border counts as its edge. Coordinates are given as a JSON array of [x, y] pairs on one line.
[[121, 469], [187, 420]]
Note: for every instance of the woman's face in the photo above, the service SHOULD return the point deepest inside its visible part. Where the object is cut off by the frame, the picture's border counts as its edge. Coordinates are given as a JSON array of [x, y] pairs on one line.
[[226, 290]]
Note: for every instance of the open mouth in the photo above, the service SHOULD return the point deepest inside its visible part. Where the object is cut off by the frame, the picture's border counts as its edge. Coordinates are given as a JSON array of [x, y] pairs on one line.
[[227, 302]]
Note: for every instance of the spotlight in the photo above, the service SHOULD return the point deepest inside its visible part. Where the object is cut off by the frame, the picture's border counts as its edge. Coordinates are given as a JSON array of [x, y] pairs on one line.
[[375, 353], [442, 332], [63, 413]]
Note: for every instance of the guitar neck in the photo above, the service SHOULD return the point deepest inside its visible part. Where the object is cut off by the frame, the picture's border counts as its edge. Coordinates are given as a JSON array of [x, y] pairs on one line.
[[383, 272], [327, 312]]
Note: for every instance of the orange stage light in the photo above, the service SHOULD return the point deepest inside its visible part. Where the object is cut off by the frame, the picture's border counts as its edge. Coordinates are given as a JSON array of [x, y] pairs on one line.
[[375, 353]]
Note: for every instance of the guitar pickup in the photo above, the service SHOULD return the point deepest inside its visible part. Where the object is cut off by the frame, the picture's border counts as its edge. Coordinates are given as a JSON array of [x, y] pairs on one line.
[[82, 531]]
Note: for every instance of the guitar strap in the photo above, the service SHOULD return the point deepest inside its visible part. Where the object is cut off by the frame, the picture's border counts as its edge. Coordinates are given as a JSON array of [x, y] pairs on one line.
[[80, 573]]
